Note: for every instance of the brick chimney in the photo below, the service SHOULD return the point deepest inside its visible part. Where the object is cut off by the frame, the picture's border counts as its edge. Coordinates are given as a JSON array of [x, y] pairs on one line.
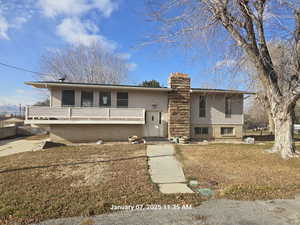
[[179, 106]]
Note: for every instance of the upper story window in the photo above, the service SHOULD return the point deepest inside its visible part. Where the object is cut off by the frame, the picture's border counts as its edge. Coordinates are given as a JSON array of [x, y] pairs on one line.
[[68, 98], [202, 106], [122, 99], [87, 98], [228, 102], [105, 99]]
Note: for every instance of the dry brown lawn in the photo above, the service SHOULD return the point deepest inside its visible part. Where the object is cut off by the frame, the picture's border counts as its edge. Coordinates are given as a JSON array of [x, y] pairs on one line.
[[77, 181], [242, 172]]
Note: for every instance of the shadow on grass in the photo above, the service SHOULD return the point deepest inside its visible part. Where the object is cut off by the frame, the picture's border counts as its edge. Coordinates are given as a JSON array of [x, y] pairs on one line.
[[70, 164]]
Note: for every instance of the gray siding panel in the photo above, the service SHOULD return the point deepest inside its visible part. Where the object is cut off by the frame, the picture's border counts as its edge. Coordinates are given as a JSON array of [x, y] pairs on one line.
[[215, 110]]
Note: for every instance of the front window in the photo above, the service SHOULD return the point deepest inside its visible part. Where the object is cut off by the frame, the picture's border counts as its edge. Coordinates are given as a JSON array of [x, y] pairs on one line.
[[87, 98], [202, 106], [227, 131], [227, 107], [105, 99], [122, 99], [68, 98]]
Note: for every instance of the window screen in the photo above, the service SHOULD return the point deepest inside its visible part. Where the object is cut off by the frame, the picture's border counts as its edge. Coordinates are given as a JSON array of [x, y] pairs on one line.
[[105, 99], [202, 106], [68, 98], [87, 98], [122, 99]]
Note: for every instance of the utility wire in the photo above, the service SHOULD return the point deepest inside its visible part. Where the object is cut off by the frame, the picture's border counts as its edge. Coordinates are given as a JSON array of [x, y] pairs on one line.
[[22, 69]]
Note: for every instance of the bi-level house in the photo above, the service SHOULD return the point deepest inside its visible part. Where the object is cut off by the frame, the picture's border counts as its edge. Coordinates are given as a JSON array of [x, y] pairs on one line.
[[85, 112]]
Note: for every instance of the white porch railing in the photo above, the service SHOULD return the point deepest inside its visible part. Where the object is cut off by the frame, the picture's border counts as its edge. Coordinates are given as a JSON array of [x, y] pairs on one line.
[[84, 113]]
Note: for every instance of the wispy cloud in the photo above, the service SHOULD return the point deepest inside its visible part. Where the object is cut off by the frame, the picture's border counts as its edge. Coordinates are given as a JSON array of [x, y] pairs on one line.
[[77, 32], [52, 8], [13, 15], [70, 16], [72, 28], [3, 28]]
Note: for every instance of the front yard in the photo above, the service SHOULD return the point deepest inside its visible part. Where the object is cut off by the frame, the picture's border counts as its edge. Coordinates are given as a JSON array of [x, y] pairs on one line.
[[75, 181], [88, 180], [241, 172]]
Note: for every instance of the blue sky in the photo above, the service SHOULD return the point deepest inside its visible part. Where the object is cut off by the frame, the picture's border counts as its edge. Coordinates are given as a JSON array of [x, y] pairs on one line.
[[30, 28]]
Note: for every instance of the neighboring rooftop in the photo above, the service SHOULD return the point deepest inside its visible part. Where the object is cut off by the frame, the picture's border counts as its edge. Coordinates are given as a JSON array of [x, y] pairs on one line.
[[47, 84]]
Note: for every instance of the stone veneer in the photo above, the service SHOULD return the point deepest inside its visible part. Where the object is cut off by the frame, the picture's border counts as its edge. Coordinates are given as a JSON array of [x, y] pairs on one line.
[[179, 109]]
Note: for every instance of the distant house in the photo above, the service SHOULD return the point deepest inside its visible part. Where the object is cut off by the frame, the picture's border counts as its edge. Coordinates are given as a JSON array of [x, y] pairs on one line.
[[83, 112]]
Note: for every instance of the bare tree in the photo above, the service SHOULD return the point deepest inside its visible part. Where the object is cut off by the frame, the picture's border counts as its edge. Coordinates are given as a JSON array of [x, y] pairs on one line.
[[245, 25], [282, 59], [85, 64]]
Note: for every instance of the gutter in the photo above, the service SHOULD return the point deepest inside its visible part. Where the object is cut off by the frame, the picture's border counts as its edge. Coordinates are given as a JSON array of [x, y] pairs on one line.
[[223, 92]]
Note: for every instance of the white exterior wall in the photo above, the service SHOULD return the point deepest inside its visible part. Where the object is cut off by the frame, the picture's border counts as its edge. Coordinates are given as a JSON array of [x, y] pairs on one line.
[[136, 99], [149, 100], [215, 110]]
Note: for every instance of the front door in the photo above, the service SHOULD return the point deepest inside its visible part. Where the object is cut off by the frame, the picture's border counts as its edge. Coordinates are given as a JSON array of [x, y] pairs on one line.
[[153, 126]]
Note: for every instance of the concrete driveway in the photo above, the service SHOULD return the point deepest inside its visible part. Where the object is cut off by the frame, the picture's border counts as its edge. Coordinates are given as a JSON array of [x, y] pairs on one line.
[[17, 145]]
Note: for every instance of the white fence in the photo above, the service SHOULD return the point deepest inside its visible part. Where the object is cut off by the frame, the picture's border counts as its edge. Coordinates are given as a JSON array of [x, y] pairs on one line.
[[69, 113]]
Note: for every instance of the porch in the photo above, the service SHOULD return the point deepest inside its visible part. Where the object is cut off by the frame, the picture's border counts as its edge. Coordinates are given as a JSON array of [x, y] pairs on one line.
[[83, 115]]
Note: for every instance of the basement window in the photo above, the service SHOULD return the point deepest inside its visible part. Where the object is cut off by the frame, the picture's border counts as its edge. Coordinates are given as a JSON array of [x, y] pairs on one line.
[[227, 131], [201, 130], [122, 99], [87, 98], [68, 98]]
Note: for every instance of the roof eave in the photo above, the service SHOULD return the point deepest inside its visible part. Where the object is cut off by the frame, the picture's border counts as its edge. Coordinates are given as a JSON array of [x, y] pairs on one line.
[[47, 85], [223, 92]]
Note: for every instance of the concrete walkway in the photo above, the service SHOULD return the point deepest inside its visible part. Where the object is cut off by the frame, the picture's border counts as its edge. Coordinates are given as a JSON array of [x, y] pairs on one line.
[[165, 170]]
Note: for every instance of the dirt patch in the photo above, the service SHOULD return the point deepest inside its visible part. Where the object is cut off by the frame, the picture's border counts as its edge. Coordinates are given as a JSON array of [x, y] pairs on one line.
[[243, 172], [84, 175]]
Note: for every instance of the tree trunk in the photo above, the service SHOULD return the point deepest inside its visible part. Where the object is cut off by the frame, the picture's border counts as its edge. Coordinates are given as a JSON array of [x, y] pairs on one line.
[[284, 136]]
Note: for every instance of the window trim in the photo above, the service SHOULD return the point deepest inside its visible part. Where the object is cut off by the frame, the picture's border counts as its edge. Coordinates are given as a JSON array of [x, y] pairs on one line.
[[228, 135], [109, 99], [93, 97], [62, 98], [118, 106], [205, 106]]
